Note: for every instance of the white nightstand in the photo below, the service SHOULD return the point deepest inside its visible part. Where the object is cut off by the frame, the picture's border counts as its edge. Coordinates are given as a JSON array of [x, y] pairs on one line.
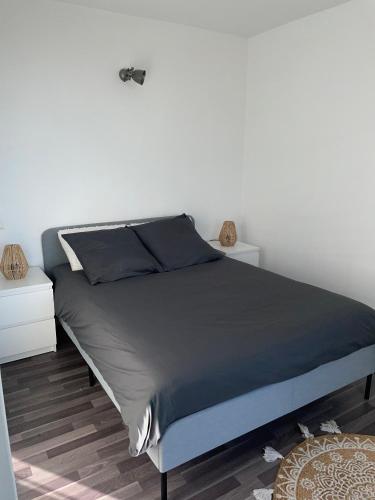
[[240, 251], [27, 325]]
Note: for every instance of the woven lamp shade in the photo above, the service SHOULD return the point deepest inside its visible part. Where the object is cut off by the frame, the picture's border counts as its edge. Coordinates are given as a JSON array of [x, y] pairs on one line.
[[228, 234], [13, 264]]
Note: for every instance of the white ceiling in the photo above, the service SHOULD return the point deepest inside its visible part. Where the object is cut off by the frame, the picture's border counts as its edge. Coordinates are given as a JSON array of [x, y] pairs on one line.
[[240, 17]]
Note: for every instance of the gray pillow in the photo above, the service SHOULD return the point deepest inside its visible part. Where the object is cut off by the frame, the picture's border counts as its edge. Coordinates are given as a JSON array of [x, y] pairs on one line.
[[175, 243], [111, 255]]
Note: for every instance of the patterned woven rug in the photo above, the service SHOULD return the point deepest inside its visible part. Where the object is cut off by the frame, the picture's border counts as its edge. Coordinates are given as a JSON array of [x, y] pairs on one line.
[[330, 467]]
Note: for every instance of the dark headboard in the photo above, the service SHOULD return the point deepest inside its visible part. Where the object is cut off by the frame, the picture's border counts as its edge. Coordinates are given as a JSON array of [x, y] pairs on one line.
[[53, 254]]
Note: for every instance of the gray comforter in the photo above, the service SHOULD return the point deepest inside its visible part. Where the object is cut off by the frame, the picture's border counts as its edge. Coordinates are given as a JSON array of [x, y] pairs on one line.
[[171, 344]]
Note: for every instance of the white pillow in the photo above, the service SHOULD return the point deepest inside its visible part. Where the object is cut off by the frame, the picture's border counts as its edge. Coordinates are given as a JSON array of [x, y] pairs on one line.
[[72, 257]]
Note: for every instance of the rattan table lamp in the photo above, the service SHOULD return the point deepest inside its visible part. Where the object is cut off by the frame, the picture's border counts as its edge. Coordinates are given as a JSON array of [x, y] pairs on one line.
[[13, 264], [228, 234]]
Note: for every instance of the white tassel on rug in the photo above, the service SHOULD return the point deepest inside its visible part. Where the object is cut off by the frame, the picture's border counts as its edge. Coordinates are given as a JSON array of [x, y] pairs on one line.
[[263, 494], [305, 431], [330, 426], [271, 455]]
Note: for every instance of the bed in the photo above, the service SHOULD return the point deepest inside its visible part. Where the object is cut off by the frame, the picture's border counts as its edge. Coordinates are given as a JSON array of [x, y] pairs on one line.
[[199, 356]]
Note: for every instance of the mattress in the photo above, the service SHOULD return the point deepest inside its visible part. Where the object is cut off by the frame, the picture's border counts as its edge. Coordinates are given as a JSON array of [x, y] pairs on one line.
[[172, 344]]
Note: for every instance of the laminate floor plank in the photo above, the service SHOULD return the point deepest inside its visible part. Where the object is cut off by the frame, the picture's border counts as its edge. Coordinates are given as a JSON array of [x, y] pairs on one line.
[[77, 420], [53, 443], [47, 401], [56, 405], [124, 493]]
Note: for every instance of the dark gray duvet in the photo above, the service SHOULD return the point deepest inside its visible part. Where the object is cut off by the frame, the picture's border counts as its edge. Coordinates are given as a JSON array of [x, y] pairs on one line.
[[171, 344]]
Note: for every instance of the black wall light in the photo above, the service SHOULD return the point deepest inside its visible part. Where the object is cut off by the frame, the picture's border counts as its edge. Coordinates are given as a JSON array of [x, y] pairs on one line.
[[138, 75]]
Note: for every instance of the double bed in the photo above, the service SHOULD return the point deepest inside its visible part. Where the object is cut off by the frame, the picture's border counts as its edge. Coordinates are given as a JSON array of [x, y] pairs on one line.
[[198, 356]]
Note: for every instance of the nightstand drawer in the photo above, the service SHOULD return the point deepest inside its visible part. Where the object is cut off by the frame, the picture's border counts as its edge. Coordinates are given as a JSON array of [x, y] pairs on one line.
[[26, 308], [19, 340]]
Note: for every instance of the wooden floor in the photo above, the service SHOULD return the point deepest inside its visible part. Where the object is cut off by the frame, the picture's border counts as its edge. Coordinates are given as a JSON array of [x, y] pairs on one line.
[[68, 441]]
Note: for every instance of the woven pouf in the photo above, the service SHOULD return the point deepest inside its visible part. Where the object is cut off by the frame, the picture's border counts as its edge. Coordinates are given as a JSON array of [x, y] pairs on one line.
[[329, 467]]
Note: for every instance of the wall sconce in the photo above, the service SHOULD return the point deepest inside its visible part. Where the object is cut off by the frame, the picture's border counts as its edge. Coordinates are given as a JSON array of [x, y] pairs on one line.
[[137, 75]]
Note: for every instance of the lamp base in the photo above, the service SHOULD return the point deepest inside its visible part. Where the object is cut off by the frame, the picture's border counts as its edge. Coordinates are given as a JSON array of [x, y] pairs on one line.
[[228, 234], [13, 264]]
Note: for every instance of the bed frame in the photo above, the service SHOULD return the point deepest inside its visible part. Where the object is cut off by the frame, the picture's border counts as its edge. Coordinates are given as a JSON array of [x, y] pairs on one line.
[[205, 430]]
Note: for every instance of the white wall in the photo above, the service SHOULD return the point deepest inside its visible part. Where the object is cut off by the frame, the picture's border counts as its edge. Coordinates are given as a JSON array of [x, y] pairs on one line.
[[77, 145], [309, 180]]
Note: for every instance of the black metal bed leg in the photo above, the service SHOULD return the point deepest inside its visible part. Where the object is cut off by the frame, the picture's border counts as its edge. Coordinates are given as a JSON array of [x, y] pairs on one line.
[[163, 486], [368, 387], [59, 334], [92, 378]]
